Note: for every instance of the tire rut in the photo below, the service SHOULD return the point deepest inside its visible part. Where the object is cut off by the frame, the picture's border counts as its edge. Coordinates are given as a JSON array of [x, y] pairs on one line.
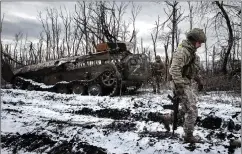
[[34, 142]]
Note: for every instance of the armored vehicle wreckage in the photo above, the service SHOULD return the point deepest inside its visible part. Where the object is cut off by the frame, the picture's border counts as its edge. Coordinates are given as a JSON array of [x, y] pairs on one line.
[[111, 70]]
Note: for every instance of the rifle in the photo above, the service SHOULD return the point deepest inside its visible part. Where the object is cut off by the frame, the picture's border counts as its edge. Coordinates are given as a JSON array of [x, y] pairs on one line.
[[175, 101]]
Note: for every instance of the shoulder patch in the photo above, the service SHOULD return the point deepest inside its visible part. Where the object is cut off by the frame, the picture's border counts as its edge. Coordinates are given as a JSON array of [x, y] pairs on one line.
[[179, 48]]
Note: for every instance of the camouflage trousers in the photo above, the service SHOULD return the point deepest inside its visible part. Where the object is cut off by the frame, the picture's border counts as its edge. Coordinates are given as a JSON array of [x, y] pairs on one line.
[[156, 81], [188, 111]]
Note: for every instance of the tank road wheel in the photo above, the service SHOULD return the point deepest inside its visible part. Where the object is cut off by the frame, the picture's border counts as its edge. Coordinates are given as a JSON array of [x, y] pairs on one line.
[[94, 90], [116, 89], [108, 79], [78, 89], [62, 89]]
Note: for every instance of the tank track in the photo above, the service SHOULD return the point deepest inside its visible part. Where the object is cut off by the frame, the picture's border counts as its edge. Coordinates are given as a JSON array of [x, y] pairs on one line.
[[28, 84]]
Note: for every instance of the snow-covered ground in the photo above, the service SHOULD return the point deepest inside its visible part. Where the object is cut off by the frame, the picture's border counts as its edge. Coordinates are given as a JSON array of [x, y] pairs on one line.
[[44, 122]]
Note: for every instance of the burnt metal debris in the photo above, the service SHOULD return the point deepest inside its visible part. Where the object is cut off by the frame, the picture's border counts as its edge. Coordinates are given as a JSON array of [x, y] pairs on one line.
[[111, 70]]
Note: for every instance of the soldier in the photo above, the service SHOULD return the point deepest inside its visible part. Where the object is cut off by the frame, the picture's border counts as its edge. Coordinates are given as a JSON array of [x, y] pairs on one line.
[[157, 70], [183, 69]]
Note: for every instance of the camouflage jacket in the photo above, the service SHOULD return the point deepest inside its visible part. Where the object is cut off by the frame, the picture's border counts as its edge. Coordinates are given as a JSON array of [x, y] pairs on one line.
[[157, 68], [185, 64]]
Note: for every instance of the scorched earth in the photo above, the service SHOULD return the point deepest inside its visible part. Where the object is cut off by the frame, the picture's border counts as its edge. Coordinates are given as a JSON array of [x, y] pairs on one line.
[[44, 122]]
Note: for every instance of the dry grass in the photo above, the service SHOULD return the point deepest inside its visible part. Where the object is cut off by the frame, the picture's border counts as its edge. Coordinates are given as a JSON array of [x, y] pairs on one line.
[[222, 82]]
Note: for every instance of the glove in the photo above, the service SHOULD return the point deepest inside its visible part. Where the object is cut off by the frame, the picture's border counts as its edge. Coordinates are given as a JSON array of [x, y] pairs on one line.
[[200, 87], [179, 89]]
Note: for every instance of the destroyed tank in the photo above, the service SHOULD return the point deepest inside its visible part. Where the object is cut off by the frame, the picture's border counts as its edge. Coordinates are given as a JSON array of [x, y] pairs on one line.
[[110, 70]]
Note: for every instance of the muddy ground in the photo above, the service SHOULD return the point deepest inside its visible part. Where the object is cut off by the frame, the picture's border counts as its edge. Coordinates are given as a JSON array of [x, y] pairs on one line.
[[43, 122]]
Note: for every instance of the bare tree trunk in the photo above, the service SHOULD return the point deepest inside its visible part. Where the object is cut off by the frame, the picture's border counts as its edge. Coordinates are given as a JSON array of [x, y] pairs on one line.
[[82, 19], [20, 51], [173, 30], [213, 60], [58, 31], [124, 34], [175, 18], [165, 37], [166, 62], [149, 55], [190, 14], [40, 47], [67, 25], [23, 60], [230, 41], [18, 38], [174, 22], [50, 13], [156, 33], [45, 25], [141, 45], [206, 46], [135, 11], [178, 33], [85, 26]]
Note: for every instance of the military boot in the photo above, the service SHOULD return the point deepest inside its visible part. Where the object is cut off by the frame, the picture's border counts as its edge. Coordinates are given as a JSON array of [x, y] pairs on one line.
[[167, 120], [189, 138]]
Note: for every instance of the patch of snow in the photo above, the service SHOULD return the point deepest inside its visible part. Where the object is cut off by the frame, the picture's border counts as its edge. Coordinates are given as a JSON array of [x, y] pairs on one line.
[[30, 111]]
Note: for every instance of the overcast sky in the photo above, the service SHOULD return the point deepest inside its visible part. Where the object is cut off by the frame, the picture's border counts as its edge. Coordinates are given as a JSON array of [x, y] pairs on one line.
[[22, 16]]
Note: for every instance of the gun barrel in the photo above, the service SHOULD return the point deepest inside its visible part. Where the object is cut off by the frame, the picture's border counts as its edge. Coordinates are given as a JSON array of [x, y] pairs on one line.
[[170, 97], [175, 108]]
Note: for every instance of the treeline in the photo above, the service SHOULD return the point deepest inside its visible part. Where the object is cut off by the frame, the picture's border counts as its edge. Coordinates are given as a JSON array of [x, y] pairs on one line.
[[68, 34]]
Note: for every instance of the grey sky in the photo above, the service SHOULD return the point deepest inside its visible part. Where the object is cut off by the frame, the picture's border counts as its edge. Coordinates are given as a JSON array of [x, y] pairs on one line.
[[22, 16], [17, 14]]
